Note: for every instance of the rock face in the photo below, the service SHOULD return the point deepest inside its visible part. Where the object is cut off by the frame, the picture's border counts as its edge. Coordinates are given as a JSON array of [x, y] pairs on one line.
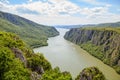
[[35, 76], [107, 40], [19, 54], [91, 73]]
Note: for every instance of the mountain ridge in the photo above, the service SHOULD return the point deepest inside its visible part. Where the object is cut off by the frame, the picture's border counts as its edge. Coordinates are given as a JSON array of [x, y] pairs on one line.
[[32, 33], [111, 24]]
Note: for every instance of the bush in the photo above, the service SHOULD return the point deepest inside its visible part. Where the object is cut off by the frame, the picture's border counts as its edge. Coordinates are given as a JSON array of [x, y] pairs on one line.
[[38, 61], [11, 68], [91, 73], [117, 69], [56, 74]]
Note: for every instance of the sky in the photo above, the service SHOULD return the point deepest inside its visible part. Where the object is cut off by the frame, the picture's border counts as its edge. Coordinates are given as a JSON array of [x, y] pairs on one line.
[[64, 12]]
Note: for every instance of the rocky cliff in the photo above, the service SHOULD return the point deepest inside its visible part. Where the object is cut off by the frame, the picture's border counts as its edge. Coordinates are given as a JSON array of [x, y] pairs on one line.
[[91, 73], [103, 43]]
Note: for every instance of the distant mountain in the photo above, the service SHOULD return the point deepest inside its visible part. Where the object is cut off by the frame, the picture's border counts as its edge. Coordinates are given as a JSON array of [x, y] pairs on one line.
[[68, 26], [116, 24], [32, 33]]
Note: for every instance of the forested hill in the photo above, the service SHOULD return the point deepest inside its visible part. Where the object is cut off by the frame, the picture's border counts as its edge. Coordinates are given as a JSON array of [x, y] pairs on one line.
[[32, 33], [103, 43], [116, 24]]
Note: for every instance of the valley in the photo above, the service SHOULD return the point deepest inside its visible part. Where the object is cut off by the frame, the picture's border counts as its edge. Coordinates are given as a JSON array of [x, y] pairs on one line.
[[70, 57]]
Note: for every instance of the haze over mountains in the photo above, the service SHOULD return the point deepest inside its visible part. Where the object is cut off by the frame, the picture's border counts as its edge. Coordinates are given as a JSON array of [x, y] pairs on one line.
[[115, 24]]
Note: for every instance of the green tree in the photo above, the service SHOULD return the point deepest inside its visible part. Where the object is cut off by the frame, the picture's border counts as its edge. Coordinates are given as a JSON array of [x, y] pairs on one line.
[[56, 74]]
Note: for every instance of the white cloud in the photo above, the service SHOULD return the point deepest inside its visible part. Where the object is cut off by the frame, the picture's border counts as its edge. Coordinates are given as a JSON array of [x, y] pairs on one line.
[[95, 2], [4, 1], [52, 12], [94, 11], [49, 8], [92, 2]]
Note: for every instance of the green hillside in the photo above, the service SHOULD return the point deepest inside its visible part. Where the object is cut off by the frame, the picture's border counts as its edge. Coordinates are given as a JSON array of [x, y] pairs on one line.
[[116, 24], [18, 62], [32, 33]]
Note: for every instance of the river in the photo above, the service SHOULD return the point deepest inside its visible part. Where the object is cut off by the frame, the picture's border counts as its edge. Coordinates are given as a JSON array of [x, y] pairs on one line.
[[70, 57]]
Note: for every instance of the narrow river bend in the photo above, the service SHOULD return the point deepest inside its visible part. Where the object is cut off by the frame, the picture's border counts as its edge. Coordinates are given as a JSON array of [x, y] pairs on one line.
[[70, 57]]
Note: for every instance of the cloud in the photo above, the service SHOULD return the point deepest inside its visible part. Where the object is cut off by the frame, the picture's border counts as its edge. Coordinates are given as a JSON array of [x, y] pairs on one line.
[[26, 11], [94, 11], [92, 2], [54, 12], [4, 1], [49, 8]]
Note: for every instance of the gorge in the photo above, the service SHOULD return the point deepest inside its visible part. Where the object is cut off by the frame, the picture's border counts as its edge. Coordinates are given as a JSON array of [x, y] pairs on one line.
[[70, 57]]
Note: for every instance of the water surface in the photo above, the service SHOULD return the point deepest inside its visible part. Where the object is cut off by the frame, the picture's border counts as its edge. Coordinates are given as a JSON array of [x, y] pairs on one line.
[[70, 57]]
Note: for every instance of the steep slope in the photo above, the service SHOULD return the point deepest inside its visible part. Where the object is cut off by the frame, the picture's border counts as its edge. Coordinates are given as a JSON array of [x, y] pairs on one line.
[[18, 62], [103, 43], [32, 33]]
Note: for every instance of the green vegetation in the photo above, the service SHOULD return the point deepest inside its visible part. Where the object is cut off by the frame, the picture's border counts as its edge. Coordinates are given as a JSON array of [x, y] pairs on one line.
[[37, 60], [56, 74], [101, 42], [33, 34], [115, 24], [116, 29], [91, 73], [11, 68], [93, 50], [97, 52], [18, 62]]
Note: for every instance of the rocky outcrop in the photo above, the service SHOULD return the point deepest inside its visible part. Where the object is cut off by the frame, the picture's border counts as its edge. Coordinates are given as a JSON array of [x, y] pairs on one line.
[[91, 73], [106, 39], [19, 54], [35, 76]]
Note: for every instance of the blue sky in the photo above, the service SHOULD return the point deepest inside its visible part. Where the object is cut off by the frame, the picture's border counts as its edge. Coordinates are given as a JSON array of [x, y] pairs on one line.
[[64, 12]]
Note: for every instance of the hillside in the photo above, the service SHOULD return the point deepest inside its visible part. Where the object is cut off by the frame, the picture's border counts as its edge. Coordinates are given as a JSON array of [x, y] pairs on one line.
[[18, 62], [32, 33], [103, 43], [115, 24]]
